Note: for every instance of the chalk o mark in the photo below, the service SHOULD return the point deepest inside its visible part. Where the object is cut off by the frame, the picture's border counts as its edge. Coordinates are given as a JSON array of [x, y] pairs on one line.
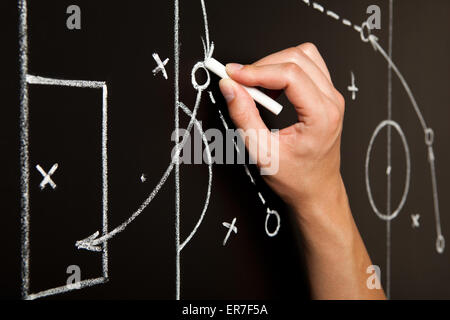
[[440, 244], [197, 86], [365, 29], [277, 216], [397, 127], [429, 137]]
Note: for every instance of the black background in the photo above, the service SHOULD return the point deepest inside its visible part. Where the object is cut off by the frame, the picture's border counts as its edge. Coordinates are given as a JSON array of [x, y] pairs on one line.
[[115, 45]]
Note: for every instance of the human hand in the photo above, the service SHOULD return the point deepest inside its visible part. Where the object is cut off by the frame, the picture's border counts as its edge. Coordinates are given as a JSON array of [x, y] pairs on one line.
[[309, 150]]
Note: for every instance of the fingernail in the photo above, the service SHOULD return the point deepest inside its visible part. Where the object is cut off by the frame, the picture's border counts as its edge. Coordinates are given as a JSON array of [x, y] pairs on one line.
[[233, 67], [226, 86]]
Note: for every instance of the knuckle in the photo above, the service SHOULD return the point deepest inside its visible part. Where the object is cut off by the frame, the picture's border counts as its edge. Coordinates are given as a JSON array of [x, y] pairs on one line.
[[251, 74], [340, 99], [309, 48], [334, 117], [295, 54], [291, 70]]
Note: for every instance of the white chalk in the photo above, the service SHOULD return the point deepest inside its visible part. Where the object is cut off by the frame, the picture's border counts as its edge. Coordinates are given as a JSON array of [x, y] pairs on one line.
[[263, 99]]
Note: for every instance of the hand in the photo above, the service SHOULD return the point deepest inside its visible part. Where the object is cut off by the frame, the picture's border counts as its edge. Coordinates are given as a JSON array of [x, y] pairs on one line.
[[309, 176], [309, 151]]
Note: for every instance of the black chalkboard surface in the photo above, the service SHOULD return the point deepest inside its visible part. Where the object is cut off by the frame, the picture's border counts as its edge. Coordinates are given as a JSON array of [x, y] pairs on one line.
[[94, 94]]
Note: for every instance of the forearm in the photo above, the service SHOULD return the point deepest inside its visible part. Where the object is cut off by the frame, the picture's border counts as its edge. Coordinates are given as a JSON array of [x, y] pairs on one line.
[[336, 257]]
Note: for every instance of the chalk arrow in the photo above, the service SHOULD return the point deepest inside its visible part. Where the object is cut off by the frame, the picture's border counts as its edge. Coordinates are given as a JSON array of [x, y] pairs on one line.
[[90, 243]]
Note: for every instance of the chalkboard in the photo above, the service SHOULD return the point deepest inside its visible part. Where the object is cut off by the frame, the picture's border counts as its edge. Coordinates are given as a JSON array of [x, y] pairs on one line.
[[96, 92]]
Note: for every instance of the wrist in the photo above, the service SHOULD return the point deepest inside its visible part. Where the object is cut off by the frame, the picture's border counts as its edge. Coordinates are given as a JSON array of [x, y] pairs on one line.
[[325, 217], [327, 196]]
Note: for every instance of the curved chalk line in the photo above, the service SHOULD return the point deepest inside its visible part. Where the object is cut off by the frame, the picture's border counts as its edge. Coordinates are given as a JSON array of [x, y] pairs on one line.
[[396, 126], [92, 242], [210, 174]]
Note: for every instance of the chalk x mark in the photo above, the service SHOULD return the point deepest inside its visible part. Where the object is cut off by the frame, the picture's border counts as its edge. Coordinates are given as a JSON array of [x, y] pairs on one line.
[[231, 228], [47, 176], [415, 220], [160, 66], [353, 88]]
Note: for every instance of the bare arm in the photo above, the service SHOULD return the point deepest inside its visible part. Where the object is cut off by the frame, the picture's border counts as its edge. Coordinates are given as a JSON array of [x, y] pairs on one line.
[[308, 178]]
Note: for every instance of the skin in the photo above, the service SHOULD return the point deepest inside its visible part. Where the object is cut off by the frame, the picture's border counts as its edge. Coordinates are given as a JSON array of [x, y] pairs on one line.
[[309, 178]]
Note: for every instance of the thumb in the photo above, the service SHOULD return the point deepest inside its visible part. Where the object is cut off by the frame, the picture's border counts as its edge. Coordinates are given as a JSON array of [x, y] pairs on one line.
[[241, 106], [245, 116]]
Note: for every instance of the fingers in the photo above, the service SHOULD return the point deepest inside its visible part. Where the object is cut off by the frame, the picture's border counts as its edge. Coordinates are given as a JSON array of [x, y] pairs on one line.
[[298, 86], [245, 115], [241, 106], [313, 53], [307, 57]]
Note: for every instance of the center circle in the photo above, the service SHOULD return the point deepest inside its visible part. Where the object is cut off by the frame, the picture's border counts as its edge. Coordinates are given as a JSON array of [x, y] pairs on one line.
[[397, 127]]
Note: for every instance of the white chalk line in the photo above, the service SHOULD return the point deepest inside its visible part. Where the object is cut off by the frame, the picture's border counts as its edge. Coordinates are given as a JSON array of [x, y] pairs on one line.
[[210, 174], [105, 258], [31, 79], [333, 15], [24, 156], [318, 7], [440, 240], [261, 198], [205, 22], [346, 22], [66, 288], [231, 228], [402, 80], [211, 97], [177, 167], [389, 156], [225, 125]]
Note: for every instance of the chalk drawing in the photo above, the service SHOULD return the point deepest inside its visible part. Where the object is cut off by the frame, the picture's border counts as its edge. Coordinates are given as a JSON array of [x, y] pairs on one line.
[[98, 240], [278, 221], [352, 87], [47, 176], [26, 80], [161, 65], [231, 228], [364, 32], [415, 220]]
